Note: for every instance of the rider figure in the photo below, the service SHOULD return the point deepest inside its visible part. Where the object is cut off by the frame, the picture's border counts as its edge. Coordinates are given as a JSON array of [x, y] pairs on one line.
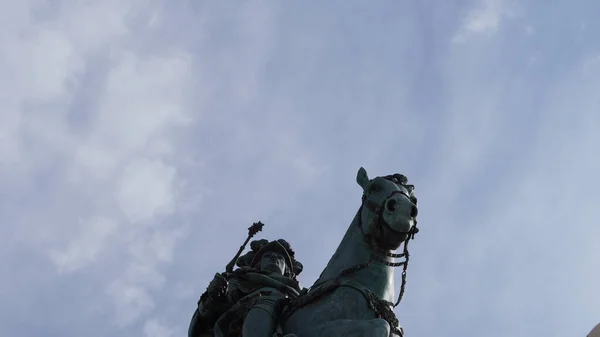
[[248, 301]]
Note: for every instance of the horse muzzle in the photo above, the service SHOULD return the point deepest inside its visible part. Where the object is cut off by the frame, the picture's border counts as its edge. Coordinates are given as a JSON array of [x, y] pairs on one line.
[[399, 213]]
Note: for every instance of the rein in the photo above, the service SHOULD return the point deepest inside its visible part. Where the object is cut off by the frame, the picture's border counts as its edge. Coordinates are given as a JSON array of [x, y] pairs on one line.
[[381, 253]]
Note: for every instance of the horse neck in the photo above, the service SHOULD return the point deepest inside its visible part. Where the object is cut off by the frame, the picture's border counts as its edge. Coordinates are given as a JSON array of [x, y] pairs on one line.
[[355, 250]]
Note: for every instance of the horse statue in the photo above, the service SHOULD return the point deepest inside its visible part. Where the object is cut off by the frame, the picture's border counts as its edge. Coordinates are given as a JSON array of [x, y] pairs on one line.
[[354, 293]]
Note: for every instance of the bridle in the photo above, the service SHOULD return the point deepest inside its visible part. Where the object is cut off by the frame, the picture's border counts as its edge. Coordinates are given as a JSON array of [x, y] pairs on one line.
[[380, 306], [378, 214], [380, 253]]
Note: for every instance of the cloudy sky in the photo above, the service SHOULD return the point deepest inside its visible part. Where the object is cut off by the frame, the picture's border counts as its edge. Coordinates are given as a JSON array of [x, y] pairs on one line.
[[140, 139]]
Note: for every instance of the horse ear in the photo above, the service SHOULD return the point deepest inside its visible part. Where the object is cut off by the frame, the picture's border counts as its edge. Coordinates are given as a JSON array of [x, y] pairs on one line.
[[362, 178]]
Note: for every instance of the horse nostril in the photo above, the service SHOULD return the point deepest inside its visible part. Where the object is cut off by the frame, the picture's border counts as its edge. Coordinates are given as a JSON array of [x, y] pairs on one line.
[[391, 205]]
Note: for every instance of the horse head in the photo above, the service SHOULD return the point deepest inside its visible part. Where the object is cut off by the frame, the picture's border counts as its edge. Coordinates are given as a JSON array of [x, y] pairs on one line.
[[388, 215], [354, 293]]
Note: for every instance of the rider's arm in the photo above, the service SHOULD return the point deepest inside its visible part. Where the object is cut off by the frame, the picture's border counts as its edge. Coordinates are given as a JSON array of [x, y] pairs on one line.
[[211, 306], [234, 291], [208, 311]]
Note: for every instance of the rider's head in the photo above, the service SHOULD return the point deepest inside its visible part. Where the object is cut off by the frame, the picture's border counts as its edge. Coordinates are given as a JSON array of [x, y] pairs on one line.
[[275, 256], [272, 261]]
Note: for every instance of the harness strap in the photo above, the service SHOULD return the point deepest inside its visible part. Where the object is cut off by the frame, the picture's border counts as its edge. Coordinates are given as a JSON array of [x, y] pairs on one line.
[[381, 308]]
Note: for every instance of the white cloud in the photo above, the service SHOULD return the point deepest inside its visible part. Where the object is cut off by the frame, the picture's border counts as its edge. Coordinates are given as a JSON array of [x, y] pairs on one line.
[[154, 329], [484, 19], [143, 100], [38, 67], [108, 159], [146, 190], [141, 271], [50, 66], [86, 246], [131, 302], [95, 25]]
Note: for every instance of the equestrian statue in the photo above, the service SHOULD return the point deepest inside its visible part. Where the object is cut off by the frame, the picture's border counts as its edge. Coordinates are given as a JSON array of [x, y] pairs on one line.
[[353, 296]]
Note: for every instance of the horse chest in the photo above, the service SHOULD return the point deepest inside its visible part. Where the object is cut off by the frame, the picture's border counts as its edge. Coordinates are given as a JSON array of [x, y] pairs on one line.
[[342, 303]]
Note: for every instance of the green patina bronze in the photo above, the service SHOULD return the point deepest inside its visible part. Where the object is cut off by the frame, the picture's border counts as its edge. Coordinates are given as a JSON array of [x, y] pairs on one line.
[[354, 295]]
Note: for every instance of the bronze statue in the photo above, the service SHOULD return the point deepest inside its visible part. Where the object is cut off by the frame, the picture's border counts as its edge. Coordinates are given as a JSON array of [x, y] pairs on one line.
[[249, 300], [353, 296]]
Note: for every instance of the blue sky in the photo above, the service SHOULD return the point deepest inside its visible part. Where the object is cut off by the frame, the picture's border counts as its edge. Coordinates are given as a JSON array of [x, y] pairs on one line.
[[139, 140]]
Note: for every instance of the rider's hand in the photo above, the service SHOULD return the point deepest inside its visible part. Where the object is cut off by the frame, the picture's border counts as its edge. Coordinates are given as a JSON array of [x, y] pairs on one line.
[[218, 285]]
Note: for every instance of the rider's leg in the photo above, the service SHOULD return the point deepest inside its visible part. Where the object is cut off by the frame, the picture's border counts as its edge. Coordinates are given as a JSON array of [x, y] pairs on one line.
[[261, 320]]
